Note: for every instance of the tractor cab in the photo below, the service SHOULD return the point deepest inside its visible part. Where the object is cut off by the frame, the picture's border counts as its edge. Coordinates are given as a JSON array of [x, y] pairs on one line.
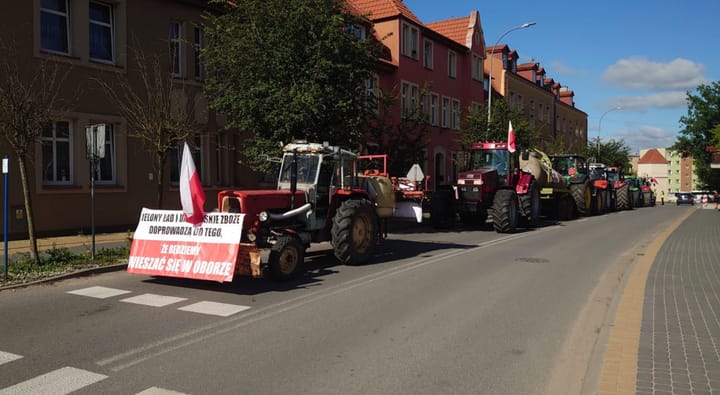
[[488, 163], [570, 166]]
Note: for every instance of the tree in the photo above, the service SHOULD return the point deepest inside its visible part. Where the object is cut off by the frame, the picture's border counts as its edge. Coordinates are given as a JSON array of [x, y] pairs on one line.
[[475, 126], [610, 153], [289, 69], [402, 141], [158, 112], [702, 129], [29, 95]]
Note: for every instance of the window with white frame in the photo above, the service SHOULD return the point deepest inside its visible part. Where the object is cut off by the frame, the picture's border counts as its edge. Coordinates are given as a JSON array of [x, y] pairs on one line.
[[372, 87], [455, 114], [176, 48], [55, 26], [428, 54], [409, 43], [106, 167], [434, 106], [197, 46], [175, 156], [477, 68], [452, 64], [357, 31], [102, 32], [445, 112], [56, 153], [414, 100], [409, 100]]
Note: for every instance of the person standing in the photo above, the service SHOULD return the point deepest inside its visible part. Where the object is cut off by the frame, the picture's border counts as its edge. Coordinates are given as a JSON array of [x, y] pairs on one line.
[[662, 198]]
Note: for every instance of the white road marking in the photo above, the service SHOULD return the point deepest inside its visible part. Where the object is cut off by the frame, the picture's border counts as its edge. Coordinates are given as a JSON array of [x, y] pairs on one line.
[[153, 300], [61, 381], [214, 308], [6, 357], [99, 292], [159, 391]]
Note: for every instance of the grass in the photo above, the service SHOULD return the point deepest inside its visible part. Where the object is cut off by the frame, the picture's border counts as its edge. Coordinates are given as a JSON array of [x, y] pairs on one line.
[[58, 261]]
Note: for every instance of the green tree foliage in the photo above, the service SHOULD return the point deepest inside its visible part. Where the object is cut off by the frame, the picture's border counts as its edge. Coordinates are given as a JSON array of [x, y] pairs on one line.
[[404, 141], [610, 153], [702, 129], [475, 127], [286, 70]]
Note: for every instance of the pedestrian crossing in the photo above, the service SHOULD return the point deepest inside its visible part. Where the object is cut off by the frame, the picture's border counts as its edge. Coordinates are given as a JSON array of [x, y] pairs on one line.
[[155, 300], [62, 381]]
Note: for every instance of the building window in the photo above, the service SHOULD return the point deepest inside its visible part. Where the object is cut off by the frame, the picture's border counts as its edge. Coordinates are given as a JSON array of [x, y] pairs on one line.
[[455, 114], [409, 44], [56, 153], [105, 168], [414, 100], [477, 68], [197, 46], [445, 112], [357, 31], [371, 93], [102, 32], [55, 26], [434, 101], [452, 64], [428, 54], [409, 100], [176, 49], [175, 156]]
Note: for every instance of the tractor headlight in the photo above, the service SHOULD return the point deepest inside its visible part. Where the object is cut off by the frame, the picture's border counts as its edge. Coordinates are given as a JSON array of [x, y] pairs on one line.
[[263, 216]]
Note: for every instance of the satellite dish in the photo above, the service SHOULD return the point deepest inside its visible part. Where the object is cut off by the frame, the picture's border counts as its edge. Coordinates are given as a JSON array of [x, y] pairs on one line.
[[415, 174]]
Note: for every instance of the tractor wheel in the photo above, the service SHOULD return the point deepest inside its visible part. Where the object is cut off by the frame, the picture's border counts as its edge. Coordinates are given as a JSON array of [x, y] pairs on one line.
[[565, 208], [474, 219], [622, 202], [599, 203], [286, 257], [530, 204], [505, 211], [354, 231], [442, 210], [582, 194]]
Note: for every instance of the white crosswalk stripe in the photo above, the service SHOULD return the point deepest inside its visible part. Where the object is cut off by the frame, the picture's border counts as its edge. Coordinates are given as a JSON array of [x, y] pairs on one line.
[[159, 391], [57, 382], [153, 300], [6, 357], [214, 308], [99, 292]]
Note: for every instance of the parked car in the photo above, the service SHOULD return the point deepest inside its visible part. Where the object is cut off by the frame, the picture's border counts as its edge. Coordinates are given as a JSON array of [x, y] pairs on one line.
[[685, 198]]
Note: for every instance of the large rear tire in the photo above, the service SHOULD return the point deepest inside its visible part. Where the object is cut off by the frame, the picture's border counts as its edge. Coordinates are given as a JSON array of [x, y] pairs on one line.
[[286, 257], [582, 195], [530, 204], [354, 231], [505, 211], [622, 202]]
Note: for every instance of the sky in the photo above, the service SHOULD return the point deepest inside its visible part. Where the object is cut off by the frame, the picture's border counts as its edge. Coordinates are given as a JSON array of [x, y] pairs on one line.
[[643, 56]]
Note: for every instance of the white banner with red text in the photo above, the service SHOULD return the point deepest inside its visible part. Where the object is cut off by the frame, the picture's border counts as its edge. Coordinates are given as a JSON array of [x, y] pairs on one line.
[[164, 244]]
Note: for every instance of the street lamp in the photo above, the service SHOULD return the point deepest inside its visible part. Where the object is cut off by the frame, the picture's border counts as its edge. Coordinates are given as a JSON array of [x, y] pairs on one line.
[[600, 124], [523, 26]]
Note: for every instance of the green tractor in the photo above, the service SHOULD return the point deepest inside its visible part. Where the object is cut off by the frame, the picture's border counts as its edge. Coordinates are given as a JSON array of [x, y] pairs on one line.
[[574, 168]]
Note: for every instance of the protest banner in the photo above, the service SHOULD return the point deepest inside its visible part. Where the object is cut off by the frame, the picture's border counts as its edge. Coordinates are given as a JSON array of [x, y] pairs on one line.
[[165, 244]]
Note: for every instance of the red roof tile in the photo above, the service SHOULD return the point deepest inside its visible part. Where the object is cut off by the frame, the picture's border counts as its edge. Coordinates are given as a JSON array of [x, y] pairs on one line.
[[381, 9], [652, 156], [454, 29]]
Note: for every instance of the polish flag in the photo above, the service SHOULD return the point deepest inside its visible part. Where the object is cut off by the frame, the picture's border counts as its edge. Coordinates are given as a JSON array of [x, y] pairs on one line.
[[192, 195], [511, 137]]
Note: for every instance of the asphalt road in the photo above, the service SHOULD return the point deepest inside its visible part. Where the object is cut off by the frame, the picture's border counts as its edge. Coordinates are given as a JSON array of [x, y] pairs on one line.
[[462, 311]]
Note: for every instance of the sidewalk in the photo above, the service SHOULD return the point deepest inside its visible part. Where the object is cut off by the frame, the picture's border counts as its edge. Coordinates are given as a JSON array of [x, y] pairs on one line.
[[665, 338], [76, 243]]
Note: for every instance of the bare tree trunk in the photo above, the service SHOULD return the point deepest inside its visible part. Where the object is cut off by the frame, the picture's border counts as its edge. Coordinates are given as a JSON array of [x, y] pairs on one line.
[[159, 182], [28, 211]]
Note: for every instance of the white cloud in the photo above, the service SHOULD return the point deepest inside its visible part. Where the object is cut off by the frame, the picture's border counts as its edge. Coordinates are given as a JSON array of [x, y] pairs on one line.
[[640, 73], [662, 100], [645, 136]]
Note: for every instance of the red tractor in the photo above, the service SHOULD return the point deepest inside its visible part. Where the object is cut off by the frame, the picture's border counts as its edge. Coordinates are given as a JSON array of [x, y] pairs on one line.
[[320, 196], [620, 196], [492, 184]]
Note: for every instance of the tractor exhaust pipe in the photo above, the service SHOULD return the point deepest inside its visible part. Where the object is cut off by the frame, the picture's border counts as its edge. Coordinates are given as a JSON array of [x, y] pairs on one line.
[[293, 179], [292, 213]]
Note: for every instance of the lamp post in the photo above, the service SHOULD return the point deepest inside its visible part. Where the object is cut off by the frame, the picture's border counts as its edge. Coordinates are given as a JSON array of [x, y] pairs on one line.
[[600, 124], [492, 51]]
